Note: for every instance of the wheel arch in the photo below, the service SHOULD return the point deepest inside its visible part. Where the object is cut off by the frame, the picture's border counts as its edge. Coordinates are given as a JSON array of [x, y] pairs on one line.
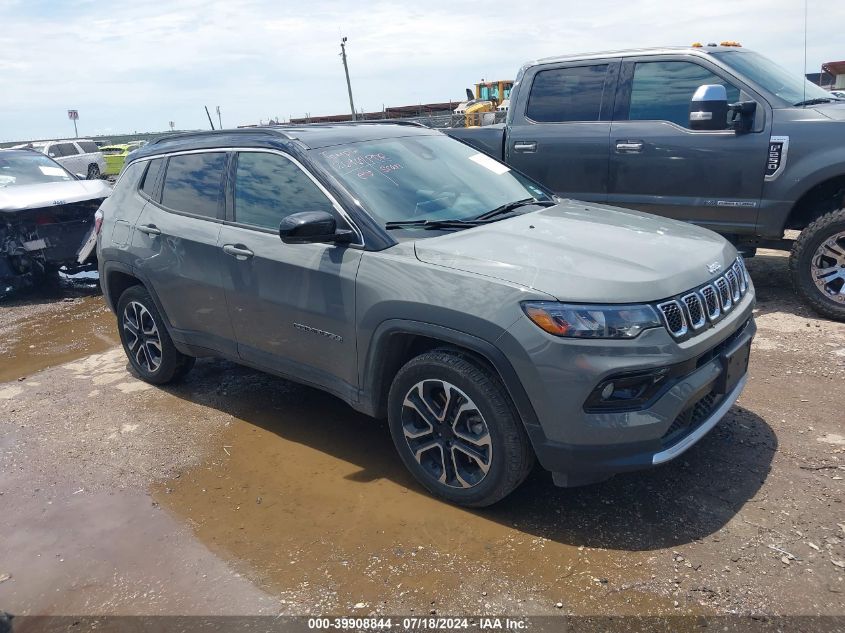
[[397, 341], [822, 197]]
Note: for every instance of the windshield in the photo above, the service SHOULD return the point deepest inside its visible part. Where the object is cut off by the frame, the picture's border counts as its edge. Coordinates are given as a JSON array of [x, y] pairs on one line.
[[779, 81], [425, 178], [30, 169]]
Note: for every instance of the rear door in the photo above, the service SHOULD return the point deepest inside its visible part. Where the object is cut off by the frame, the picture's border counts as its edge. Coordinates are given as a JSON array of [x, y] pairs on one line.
[[68, 155], [659, 165], [292, 306], [561, 124], [175, 239]]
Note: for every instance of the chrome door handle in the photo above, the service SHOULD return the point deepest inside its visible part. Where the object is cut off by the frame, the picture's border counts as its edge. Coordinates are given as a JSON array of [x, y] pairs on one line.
[[237, 251], [525, 146], [149, 229], [629, 146]]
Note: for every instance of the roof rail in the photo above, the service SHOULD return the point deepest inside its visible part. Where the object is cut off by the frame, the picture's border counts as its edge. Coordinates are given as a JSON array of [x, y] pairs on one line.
[[201, 133]]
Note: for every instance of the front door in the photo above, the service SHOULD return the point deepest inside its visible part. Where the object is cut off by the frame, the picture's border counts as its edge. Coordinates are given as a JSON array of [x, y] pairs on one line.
[[292, 306], [659, 165], [559, 134]]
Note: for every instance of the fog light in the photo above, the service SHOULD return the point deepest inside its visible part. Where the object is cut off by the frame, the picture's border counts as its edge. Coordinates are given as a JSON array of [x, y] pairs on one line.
[[608, 390]]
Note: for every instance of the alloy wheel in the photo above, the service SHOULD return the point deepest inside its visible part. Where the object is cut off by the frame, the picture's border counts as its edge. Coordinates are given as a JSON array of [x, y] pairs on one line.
[[142, 337], [828, 267], [447, 434]]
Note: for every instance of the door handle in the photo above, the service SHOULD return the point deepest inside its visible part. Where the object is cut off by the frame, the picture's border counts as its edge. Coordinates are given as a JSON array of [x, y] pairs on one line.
[[525, 146], [632, 147], [238, 251], [149, 229]]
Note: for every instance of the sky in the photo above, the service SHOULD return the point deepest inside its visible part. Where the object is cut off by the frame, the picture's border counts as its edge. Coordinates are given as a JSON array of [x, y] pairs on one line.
[[135, 66]]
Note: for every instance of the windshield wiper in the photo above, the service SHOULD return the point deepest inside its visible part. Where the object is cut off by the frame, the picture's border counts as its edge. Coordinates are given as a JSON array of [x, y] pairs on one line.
[[431, 224], [815, 101], [512, 206]]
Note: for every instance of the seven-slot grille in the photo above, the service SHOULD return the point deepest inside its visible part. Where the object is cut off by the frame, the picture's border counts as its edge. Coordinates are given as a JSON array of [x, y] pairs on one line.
[[693, 310]]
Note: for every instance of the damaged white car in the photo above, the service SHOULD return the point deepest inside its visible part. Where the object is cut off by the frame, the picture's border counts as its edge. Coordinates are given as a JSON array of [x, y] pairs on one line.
[[46, 218]]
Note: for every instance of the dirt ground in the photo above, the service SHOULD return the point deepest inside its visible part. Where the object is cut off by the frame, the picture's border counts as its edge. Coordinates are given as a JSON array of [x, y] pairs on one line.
[[240, 493]]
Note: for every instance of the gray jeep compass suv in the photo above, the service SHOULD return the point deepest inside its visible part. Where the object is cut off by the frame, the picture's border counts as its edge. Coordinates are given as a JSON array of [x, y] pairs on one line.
[[422, 281]]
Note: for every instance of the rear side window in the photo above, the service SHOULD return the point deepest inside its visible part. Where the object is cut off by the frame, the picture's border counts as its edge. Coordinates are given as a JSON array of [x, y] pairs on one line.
[[66, 149], [193, 183], [661, 91], [149, 181], [88, 146], [53, 151], [567, 94], [269, 187]]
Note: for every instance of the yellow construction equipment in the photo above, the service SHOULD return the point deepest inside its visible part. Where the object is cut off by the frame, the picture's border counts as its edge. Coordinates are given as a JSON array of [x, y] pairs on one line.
[[489, 96]]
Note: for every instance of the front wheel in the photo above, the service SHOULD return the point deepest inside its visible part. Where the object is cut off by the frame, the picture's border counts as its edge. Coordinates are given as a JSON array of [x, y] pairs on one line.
[[817, 265], [145, 339], [456, 429]]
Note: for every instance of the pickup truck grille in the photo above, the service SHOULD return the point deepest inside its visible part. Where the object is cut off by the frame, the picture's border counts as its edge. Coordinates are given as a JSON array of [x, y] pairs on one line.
[[703, 306]]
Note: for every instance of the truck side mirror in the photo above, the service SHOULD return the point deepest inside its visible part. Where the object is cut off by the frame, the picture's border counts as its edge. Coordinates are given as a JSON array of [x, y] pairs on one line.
[[708, 109]]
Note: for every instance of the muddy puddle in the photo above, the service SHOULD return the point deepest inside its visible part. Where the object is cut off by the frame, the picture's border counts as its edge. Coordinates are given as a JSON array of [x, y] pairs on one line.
[[309, 500], [36, 333]]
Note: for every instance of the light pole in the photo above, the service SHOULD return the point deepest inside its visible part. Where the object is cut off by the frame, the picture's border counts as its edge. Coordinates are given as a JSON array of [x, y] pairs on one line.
[[346, 70]]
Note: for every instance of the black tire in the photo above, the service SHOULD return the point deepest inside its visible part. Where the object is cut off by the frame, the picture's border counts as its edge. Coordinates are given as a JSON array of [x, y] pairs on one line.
[[93, 172], [806, 252], [511, 456], [170, 365]]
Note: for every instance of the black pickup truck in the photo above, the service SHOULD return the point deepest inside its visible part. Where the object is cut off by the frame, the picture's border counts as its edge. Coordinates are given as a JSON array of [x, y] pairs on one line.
[[715, 135]]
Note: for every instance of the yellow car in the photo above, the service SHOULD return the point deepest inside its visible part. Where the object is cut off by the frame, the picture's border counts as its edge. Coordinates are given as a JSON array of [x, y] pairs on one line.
[[115, 156]]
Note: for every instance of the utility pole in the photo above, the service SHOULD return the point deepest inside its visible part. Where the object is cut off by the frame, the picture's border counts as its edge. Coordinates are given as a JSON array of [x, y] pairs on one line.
[[346, 70], [219, 119]]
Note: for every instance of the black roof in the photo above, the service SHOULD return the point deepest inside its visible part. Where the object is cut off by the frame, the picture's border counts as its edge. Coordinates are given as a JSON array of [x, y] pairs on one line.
[[311, 136]]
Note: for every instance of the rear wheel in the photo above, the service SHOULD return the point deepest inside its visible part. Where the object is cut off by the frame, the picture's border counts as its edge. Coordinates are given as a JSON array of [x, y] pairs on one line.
[[145, 339], [456, 429], [93, 172], [817, 265]]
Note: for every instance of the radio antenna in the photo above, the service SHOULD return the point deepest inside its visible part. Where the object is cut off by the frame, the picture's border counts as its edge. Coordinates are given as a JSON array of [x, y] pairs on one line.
[[805, 51]]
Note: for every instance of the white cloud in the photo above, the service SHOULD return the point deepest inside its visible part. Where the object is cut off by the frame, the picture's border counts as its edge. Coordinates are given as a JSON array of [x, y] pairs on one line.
[[138, 66]]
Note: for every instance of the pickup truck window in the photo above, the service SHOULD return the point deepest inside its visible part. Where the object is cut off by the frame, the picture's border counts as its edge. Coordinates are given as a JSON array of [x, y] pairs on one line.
[[661, 91], [567, 94]]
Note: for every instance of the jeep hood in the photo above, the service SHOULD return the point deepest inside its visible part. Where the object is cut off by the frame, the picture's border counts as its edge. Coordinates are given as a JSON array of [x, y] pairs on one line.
[[586, 253], [21, 197]]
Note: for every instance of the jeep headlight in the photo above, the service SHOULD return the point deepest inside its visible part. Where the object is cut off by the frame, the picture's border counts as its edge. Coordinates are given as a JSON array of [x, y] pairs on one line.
[[591, 321]]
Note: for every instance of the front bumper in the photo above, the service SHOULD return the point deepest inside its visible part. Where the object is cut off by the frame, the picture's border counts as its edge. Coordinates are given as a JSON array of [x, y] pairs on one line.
[[581, 447]]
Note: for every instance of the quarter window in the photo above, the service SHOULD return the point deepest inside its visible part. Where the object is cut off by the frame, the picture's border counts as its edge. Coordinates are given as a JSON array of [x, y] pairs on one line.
[[269, 187], [149, 182], [661, 91], [567, 94], [193, 183]]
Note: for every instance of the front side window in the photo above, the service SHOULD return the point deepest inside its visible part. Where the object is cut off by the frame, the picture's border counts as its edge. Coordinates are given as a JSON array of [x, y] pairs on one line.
[[88, 147], [269, 187], [424, 178], [661, 91], [193, 183], [567, 94], [67, 149]]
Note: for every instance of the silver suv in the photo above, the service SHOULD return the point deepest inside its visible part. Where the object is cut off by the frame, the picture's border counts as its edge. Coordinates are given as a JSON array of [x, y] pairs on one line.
[[422, 281]]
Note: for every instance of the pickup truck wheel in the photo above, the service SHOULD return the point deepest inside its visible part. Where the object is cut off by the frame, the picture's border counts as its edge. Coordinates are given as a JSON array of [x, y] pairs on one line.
[[93, 172], [145, 339], [817, 265], [456, 429]]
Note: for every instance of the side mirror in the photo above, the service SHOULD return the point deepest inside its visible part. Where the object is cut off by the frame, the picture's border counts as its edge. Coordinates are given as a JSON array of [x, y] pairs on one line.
[[708, 109], [311, 227]]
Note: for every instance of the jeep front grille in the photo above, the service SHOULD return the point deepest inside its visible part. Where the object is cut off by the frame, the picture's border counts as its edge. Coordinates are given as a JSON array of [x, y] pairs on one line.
[[693, 310]]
